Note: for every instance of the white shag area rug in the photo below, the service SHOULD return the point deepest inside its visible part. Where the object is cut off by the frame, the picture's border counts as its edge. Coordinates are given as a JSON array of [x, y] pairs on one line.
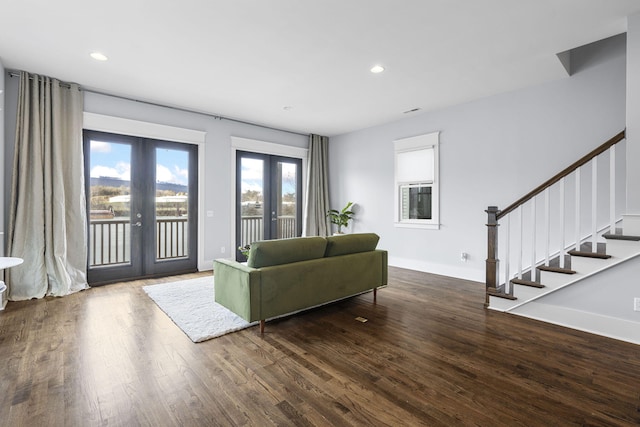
[[191, 306]]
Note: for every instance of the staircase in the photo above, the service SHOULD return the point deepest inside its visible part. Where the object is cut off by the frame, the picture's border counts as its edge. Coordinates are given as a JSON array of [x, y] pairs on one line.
[[578, 266], [560, 233]]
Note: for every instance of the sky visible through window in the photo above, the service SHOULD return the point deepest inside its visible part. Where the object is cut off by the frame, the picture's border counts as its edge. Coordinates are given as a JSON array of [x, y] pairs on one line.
[[114, 160], [252, 176]]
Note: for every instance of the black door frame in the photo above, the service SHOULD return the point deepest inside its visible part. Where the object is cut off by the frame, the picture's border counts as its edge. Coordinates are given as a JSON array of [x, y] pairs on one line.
[[142, 186], [269, 196]]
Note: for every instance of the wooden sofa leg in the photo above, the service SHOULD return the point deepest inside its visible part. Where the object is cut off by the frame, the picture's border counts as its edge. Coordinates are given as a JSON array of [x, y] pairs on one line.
[[262, 327], [375, 295]]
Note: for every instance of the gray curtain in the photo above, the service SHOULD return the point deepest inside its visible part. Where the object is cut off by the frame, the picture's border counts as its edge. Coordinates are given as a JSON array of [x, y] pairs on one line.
[[316, 222], [47, 219]]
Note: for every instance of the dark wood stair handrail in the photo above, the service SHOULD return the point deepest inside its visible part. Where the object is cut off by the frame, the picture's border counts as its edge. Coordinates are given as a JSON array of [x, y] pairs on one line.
[[583, 161]]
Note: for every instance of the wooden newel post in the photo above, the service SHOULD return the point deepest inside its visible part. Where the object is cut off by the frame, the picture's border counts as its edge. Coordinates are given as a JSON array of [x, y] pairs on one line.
[[492, 251]]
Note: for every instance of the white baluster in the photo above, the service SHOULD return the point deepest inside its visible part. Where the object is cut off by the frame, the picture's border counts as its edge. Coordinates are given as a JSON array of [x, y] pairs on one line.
[[612, 189], [507, 279], [533, 239], [594, 204], [547, 228], [520, 243], [562, 223], [578, 203]]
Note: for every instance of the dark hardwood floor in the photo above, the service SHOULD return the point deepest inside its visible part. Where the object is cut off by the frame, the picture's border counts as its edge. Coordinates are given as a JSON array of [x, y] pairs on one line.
[[429, 354]]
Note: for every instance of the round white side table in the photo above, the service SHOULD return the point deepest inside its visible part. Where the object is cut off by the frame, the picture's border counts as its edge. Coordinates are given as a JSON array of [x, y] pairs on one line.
[[6, 262]]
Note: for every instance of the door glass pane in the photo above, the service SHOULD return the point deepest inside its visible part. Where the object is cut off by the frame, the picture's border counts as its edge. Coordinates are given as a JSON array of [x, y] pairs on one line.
[[109, 205], [171, 204], [251, 200], [286, 193]]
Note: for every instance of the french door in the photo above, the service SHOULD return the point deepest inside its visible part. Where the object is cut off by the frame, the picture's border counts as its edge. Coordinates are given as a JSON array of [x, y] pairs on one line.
[[268, 198], [141, 205]]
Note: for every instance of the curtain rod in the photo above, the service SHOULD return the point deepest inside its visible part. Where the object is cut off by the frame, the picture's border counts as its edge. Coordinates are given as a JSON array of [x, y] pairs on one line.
[[13, 73]]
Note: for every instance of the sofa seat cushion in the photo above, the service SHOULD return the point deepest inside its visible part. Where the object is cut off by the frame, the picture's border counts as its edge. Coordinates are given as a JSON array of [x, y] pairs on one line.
[[351, 244], [266, 253]]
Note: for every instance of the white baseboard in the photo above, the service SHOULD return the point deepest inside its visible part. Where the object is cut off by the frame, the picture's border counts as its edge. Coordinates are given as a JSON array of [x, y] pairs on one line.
[[205, 265], [473, 274], [620, 329]]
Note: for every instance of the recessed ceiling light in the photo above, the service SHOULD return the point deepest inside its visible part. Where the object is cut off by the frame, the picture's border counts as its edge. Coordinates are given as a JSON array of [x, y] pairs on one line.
[[376, 69], [98, 56]]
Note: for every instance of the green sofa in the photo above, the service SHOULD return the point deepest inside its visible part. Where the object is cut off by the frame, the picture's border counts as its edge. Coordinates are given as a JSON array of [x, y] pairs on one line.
[[289, 275]]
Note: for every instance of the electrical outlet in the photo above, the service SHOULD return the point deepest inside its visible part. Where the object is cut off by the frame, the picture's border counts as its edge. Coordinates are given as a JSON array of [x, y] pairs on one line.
[[223, 250], [464, 257], [636, 304]]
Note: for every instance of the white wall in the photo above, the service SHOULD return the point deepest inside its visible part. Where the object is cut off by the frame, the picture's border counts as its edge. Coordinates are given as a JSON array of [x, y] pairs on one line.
[[492, 151], [217, 181], [633, 114], [2, 169]]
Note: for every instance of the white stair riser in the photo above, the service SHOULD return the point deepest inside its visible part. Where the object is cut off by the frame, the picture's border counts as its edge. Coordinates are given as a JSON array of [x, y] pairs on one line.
[[502, 304], [522, 292], [525, 293], [585, 265], [555, 280], [622, 248], [631, 224]]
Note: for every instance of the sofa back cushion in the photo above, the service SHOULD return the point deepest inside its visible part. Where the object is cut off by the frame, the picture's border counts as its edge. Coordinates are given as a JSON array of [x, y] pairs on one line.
[[351, 244], [284, 251]]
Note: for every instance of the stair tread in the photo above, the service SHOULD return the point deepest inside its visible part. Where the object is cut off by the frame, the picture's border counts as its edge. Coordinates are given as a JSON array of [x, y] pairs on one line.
[[621, 237], [556, 270], [589, 254], [527, 283]]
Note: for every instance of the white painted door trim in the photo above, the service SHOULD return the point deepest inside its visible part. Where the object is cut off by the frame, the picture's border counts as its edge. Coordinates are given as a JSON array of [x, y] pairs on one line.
[[103, 123]]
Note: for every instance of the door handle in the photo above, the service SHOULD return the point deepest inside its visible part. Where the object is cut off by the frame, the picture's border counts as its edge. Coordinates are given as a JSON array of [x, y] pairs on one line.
[[137, 224]]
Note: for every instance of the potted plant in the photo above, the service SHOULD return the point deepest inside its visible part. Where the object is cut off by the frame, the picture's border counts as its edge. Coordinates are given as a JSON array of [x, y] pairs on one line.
[[341, 218], [244, 250]]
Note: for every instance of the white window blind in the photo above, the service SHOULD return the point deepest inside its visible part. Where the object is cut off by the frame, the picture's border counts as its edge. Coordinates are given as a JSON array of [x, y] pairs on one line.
[[415, 166]]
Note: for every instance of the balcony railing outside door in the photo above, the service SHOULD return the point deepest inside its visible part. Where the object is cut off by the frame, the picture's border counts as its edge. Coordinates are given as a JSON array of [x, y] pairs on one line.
[[252, 228], [110, 240], [110, 237]]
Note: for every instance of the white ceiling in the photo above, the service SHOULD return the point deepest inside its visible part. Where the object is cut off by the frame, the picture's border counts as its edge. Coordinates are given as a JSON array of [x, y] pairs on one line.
[[247, 59]]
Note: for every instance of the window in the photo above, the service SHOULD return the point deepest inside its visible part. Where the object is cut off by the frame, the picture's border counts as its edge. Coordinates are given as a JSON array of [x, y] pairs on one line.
[[416, 202], [416, 181]]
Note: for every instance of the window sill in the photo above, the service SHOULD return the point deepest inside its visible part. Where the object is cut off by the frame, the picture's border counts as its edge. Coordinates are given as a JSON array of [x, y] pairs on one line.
[[417, 225]]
